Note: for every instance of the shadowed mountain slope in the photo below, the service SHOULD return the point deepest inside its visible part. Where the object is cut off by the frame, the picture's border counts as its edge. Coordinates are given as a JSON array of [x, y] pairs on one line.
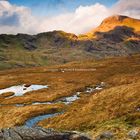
[[116, 36]]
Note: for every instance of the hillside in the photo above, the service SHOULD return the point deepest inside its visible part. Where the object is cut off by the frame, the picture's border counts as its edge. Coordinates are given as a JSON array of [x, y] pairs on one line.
[[113, 110], [118, 20], [116, 36]]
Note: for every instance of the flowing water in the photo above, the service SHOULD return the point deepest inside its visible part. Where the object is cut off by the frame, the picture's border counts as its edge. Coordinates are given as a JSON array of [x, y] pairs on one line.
[[22, 89], [33, 121]]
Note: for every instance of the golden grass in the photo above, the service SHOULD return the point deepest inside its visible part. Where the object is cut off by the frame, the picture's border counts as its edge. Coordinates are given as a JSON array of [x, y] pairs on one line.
[[15, 116], [106, 105], [7, 94], [116, 104], [111, 23]]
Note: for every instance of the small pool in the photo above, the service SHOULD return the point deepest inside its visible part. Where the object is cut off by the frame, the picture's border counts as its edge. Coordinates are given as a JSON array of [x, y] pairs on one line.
[[20, 90]]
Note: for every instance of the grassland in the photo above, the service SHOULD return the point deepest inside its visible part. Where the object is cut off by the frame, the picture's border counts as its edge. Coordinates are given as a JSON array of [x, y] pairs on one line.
[[116, 108]]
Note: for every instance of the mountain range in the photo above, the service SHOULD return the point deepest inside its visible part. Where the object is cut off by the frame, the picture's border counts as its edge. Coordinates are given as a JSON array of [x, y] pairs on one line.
[[116, 36]]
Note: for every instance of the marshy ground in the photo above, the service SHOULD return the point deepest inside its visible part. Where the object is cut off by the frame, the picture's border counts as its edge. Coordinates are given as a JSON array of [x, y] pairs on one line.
[[115, 108]]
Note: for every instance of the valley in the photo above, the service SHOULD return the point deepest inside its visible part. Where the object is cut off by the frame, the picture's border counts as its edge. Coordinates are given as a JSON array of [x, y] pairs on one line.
[[62, 86], [93, 97]]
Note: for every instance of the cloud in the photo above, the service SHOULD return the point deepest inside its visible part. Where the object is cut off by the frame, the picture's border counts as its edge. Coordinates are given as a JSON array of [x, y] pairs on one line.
[[79, 21], [127, 7], [19, 19], [83, 19], [14, 19]]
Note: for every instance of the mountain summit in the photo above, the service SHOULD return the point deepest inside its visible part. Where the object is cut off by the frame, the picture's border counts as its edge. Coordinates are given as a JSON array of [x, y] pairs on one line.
[[118, 20]]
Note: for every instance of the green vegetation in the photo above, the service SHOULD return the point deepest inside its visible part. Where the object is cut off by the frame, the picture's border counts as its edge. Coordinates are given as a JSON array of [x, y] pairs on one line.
[[58, 47]]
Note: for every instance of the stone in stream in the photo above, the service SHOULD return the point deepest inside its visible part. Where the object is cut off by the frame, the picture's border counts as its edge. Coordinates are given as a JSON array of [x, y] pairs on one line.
[[38, 133], [27, 85]]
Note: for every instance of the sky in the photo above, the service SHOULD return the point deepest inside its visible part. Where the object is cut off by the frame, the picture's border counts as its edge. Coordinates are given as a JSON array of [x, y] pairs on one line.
[[54, 7], [74, 16]]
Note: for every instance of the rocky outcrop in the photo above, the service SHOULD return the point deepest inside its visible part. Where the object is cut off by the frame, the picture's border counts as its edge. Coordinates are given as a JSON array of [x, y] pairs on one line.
[[29, 42], [117, 35], [105, 135], [38, 133]]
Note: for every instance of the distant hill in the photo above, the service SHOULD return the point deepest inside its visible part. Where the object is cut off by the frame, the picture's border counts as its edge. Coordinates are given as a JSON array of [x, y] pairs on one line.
[[116, 36]]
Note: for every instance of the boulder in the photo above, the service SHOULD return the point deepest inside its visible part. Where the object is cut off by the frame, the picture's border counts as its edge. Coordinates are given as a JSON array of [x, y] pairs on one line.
[[105, 136], [38, 133]]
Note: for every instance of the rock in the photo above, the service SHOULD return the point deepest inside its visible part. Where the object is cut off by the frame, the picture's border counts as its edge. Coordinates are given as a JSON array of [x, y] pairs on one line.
[[14, 136], [1, 135], [138, 109], [28, 41], [103, 84], [38, 133], [105, 135], [79, 137], [134, 134], [27, 85]]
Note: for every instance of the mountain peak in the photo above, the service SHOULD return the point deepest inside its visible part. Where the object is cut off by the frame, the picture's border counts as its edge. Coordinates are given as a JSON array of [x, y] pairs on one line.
[[112, 22], [115, 18]]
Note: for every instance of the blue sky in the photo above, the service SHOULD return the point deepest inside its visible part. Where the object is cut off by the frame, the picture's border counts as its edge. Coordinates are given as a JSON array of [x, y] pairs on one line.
[[54, 7]]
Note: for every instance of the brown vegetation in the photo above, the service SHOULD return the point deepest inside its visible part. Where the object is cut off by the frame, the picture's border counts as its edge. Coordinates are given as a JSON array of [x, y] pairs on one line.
[[115, 108]]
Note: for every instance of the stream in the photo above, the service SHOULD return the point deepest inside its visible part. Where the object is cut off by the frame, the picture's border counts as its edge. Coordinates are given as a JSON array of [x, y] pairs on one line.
[[20, 90], [33, 121]]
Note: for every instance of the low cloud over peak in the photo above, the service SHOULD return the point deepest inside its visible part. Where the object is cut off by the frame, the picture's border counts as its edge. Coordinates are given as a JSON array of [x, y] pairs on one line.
[[19, 19], [127, 7]]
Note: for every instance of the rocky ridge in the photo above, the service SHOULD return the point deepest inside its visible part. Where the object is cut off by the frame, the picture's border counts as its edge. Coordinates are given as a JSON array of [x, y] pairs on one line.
[[116, 36]]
